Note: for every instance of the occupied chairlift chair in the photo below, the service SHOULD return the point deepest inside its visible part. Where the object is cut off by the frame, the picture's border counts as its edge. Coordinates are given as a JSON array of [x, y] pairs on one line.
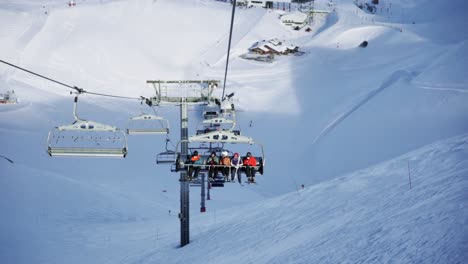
[[86, 138], [147, 124], [219, 122], [219, 137]]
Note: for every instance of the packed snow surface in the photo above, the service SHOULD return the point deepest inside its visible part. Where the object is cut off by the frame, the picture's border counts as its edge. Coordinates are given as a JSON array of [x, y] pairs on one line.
[[366, 149]]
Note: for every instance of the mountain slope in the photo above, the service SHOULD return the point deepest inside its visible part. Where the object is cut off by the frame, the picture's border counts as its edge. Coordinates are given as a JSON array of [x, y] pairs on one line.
[[370, 216]]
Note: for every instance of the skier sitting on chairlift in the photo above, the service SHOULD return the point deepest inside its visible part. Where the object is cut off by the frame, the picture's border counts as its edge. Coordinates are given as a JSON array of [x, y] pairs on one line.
[[211, 162], [226, 162], [250, 162], [236, 165], [193, 171]]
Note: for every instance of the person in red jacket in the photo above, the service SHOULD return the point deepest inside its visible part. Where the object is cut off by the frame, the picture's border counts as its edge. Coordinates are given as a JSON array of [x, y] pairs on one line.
[[250, 162]]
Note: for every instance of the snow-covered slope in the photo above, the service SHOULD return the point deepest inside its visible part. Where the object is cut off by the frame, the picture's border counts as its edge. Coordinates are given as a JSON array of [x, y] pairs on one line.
[[411, 209], [334, 110], [370, 216]]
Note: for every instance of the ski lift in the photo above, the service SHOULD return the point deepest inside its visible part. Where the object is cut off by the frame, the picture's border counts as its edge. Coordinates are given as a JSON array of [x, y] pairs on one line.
[[147, 124], [86, 138], [166, 157]]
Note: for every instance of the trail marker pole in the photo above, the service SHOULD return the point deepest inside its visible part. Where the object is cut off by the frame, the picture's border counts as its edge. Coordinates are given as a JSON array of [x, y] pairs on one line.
[[202, 204], [409, 176]]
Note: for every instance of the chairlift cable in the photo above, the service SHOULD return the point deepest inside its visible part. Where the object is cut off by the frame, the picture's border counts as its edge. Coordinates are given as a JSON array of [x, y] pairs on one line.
[[229, 47], [79, 90], [42, 76], [113, 96]]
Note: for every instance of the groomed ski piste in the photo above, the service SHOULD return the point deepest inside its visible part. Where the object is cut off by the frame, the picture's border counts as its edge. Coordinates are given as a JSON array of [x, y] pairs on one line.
[[378, 136]]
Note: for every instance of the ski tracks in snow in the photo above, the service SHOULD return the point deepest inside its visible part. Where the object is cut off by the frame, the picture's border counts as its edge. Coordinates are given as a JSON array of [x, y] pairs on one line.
[[442, 88], [396, 76], [35, 26]]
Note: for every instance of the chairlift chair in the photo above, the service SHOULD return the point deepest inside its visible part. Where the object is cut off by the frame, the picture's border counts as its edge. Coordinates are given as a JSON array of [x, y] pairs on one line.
[[220, 137], [226, 121], [211, 111], [166, 157], [85, 138], [147, 124]]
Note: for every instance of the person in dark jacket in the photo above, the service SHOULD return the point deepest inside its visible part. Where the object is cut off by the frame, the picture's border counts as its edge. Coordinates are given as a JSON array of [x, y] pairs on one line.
[[212, 163]]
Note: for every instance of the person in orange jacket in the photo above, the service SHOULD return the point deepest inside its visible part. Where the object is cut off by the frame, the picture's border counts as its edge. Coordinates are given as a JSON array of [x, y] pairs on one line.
[[193, 171], [250, 162], [225, 161]]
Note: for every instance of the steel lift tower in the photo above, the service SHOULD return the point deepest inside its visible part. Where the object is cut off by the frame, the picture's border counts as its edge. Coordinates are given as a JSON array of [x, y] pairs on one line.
[[184, 93]]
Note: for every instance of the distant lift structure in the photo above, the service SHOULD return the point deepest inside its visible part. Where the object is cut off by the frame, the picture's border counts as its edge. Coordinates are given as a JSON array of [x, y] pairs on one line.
[[8, 98], [148, 124], [86, 138]]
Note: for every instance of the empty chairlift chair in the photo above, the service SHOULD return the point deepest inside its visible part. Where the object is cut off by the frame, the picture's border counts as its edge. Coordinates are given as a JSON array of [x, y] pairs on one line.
[[148, 124], [166, 157], [85, 138]]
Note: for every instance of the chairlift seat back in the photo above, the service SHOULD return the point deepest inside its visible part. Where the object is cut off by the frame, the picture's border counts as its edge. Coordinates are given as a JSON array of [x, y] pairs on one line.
[[87, 143]]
